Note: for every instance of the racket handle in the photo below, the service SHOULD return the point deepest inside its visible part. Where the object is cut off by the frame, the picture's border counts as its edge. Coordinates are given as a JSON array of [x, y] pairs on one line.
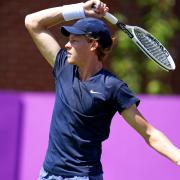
[[109, 17], [112, 19]]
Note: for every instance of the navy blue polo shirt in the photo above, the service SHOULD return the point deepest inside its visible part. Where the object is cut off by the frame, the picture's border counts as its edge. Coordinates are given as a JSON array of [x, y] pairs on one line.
[[81, 118]]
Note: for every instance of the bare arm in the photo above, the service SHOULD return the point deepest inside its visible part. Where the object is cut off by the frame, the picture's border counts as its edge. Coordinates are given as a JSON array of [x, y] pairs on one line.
[[38, 24], [154, 138]]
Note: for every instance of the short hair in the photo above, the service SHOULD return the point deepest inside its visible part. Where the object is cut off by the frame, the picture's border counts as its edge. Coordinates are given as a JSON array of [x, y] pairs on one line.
[[100, 51]]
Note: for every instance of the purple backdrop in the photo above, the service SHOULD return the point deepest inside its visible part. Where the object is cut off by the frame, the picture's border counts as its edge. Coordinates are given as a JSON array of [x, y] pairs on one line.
[[125, 154], [10, 135]]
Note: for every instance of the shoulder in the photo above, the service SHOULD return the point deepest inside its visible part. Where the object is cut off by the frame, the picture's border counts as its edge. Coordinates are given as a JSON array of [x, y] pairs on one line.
[[110, 84], [115, 86], [111, 80]]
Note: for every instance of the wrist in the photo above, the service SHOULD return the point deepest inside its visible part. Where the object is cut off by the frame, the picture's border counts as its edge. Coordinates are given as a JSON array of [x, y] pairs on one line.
[[73, 11]]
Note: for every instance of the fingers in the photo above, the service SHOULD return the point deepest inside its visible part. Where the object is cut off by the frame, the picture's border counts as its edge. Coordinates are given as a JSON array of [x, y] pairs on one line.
[[99, 11], [101, 8]]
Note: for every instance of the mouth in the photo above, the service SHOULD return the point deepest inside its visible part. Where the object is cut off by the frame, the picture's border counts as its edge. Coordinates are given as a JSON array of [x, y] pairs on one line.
[[68, 54]]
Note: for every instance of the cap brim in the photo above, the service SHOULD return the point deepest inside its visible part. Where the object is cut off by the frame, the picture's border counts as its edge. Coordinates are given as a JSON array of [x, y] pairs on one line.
[[67, 30]]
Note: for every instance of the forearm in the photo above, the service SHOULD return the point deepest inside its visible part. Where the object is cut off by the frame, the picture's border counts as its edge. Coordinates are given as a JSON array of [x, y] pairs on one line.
[[158, 141], [50, 17], [44, 19]]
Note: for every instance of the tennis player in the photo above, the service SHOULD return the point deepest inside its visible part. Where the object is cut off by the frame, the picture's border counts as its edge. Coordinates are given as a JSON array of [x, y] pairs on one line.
[[87, 96]]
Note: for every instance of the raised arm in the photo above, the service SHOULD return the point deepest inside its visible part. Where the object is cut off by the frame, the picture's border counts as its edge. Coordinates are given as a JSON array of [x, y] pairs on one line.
[[38, 24], [154, 138]]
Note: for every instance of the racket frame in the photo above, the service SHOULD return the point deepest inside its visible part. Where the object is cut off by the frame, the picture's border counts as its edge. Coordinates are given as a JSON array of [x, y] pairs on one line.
[[129, 30]]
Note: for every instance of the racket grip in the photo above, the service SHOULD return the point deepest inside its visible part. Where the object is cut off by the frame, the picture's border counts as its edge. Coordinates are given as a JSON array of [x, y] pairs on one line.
[[108, 16], [112, 19]]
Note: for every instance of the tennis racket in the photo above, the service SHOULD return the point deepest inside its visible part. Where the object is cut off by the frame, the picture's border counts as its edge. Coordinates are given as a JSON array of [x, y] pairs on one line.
[[146, 42]]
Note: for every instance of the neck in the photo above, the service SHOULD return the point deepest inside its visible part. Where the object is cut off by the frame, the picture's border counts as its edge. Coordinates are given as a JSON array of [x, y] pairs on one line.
[[89, 70]]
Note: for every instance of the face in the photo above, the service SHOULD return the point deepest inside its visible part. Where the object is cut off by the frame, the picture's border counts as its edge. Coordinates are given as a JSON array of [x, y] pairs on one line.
[[78, 49]]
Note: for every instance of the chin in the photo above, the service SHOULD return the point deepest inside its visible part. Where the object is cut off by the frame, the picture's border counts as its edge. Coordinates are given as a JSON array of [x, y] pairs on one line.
[[70, 61]]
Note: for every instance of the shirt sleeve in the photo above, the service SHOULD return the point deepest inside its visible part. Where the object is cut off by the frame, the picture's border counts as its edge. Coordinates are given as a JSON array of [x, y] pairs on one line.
[[60, 62], [124, 98]]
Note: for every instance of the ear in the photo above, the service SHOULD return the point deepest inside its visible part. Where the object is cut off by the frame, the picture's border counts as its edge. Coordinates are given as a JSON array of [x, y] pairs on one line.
[[94, 45]]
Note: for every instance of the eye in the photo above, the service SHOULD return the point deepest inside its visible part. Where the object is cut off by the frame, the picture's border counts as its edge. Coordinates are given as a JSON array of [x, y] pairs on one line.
[[73, 40]]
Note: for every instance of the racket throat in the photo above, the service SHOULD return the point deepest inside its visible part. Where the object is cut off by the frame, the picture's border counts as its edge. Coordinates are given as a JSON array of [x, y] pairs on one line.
[[124, 29]]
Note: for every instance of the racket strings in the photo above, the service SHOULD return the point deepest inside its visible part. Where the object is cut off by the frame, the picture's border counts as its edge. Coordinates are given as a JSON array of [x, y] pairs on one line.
[[153, 47]]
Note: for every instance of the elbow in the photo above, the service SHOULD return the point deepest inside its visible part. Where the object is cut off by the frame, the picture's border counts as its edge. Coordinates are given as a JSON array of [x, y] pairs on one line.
[[31, 23], [28, 21]]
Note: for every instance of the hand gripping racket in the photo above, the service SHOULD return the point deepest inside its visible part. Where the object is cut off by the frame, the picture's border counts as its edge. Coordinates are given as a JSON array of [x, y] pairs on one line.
[[149, 45]]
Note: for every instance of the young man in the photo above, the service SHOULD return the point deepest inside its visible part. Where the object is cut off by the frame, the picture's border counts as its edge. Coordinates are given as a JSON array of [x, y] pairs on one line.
[[87, 96]]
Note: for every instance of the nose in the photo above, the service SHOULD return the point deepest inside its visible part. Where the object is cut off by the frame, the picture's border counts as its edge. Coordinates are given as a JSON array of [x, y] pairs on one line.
[[68, 45]]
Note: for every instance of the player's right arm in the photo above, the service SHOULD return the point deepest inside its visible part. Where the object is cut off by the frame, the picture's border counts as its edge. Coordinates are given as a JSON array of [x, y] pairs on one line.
[[38, 24]]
